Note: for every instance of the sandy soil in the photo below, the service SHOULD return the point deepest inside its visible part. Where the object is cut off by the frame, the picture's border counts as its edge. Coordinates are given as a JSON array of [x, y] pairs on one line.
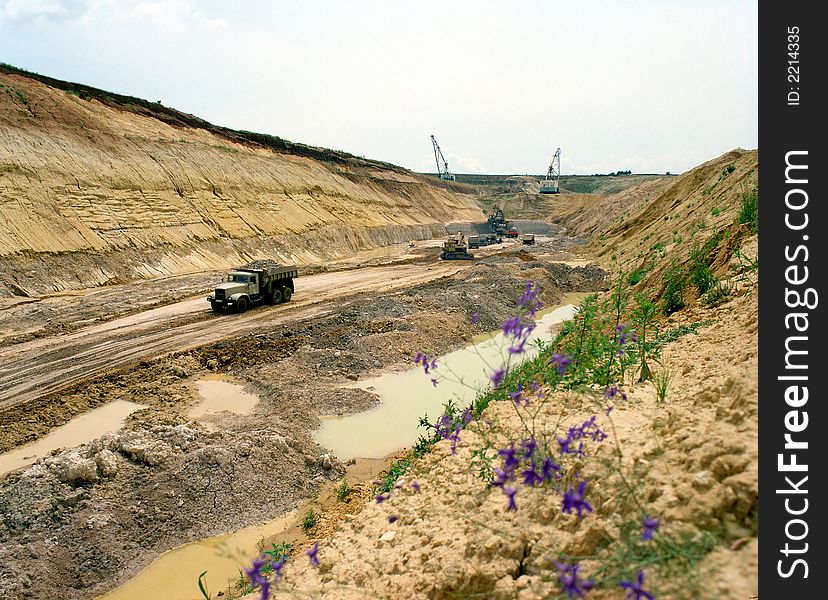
[[694, 459]]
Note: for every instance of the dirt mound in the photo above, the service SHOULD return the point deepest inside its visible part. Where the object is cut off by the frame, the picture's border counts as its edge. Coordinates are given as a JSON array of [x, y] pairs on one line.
[[94, 191]]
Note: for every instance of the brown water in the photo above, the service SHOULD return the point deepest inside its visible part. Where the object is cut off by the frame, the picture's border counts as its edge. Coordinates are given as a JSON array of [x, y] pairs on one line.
[[407, 396], [80, 430], [219, 394], [174, 574]]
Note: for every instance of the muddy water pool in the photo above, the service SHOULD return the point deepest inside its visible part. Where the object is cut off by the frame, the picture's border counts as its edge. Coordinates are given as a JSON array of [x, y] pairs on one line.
[[406, 396], [78, 431]]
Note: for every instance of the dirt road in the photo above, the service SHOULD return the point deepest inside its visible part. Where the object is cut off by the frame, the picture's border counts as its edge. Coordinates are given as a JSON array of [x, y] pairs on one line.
[[44, 366]]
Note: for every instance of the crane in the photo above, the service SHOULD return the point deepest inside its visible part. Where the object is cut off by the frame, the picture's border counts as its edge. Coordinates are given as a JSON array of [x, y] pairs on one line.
[[442, 163], [552, 183]]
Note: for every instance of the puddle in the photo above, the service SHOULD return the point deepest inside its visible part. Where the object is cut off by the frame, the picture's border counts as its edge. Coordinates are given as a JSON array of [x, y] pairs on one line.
[[407, 396], [174, 574], [220, 394], [80, 430]]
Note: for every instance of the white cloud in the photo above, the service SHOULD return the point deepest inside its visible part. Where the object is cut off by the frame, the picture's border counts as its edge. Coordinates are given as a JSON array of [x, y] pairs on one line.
[[40, 11], [173, 15], [464, 164]]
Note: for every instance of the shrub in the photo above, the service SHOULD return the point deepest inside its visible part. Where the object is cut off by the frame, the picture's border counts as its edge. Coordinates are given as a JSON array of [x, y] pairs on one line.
[[343, 491], [700, 273], [749, 213], [718, 294], [310, 520], [674, 284]]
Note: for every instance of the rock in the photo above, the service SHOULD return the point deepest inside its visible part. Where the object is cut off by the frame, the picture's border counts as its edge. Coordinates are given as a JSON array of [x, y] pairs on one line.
[[107, 463], [74, 469], [212, 364], [703, 481], [388, 536]]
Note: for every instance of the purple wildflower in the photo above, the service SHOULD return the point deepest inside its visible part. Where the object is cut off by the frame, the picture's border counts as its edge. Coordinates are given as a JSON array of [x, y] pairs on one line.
[[570, 582], [564, 444], [455, 438], [531, 477], [609, 410], [510, 493], [510, 459], [517, 394], [380, 498], [529, 446], [466, 417], [501, 477], [474, 318], [434, 382], [257, 578], [574, 500], [560, 362], [549, 469], [635, 590], [278, 565], [312, 554], [427, 363], [614, 391], [393, 519], [415, 486], [649, 524], [529, 298], [497, 377]]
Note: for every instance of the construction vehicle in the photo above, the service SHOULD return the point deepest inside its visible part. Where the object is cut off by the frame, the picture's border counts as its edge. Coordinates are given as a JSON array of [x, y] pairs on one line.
[[497, 222], [528, 239], [512, 232], [552, 183], [455, 249], [442, 164], [474, 241], [256, 282]]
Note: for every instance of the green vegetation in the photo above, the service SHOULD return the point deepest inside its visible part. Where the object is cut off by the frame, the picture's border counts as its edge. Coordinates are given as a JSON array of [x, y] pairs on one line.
[[661, 380], [310, 520], [718, 294], [674, 284], [700, 274], [636, 275], [202, 586], [674, 556], [343, 491], [749, 213]]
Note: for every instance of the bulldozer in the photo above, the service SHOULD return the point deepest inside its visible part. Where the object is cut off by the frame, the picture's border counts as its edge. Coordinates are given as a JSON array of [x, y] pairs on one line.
[[455, 249]]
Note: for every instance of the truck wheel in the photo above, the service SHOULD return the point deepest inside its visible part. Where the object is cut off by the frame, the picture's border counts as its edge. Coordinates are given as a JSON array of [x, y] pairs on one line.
[[286, 294], [241, 305], [276, 296], [215, 306]]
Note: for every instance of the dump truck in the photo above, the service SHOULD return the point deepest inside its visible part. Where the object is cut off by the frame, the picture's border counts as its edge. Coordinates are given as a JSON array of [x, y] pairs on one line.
[[474, 241], [254, 283], [455, 250], [528, 238], [512, 232]]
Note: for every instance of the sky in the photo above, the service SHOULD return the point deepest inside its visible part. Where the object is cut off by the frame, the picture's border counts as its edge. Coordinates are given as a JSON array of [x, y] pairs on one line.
[[646, 86]]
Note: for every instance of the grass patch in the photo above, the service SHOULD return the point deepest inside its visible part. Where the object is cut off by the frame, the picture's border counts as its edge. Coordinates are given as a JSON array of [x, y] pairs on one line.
[[749, 212], [674, 285]]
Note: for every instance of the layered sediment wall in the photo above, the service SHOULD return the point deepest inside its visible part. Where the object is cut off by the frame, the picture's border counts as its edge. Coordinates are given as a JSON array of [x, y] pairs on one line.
[[95, 189]]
